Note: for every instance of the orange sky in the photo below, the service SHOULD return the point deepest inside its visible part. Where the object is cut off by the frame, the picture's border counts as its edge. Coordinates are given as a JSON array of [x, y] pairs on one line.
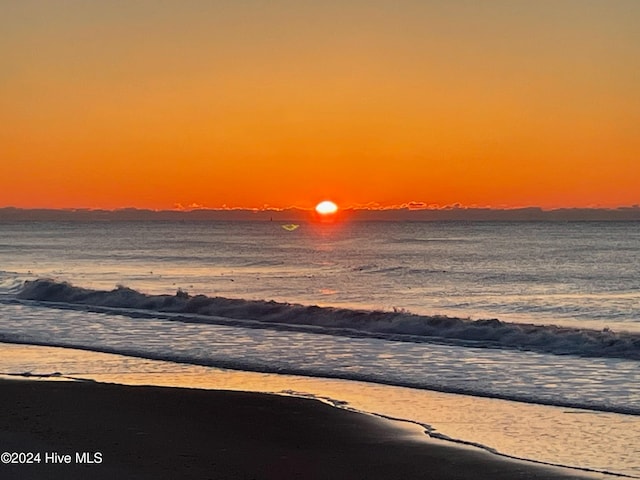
[[246, 103]]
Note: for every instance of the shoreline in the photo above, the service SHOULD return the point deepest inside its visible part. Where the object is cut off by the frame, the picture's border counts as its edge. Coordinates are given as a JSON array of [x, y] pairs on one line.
[[535, 434], [168, 432]]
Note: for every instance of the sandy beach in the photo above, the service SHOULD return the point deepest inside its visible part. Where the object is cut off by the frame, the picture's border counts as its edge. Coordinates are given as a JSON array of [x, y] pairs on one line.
[[158, 432]]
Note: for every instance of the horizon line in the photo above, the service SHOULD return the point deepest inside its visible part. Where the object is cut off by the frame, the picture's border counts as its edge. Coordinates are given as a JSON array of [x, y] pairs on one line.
[[297, 214], [411, 207]]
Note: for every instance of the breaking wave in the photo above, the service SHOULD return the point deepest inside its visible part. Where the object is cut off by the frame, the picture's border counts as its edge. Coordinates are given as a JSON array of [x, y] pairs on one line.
[[396, 325]]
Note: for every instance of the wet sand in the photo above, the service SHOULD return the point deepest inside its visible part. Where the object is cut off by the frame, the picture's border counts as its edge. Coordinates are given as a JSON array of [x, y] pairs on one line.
[[176, 433]]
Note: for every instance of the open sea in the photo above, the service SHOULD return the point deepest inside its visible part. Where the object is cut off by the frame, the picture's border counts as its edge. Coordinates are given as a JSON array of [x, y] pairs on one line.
[[521, 338]]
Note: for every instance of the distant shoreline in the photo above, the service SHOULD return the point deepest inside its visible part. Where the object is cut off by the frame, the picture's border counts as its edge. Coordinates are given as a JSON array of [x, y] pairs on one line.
[[528, 214]]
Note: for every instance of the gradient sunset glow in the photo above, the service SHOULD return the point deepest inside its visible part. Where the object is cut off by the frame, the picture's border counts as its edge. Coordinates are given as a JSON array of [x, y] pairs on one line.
[[252, 104]]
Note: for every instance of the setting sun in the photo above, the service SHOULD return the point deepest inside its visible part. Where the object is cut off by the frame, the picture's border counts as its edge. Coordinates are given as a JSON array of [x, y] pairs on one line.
[[326, 208]]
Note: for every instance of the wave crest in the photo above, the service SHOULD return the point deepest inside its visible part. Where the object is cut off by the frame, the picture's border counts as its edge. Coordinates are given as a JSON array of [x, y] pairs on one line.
[[397, 325]]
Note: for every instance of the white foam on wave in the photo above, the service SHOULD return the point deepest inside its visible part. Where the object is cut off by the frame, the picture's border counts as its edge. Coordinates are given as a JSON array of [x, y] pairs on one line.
[[396, 325], [11, 284]]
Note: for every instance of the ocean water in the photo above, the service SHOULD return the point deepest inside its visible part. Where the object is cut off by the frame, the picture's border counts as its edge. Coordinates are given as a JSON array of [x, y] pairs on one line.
[[539, 313]]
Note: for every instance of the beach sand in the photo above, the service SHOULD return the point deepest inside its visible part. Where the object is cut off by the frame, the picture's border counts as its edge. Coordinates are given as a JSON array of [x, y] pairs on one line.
[[175, 433]]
